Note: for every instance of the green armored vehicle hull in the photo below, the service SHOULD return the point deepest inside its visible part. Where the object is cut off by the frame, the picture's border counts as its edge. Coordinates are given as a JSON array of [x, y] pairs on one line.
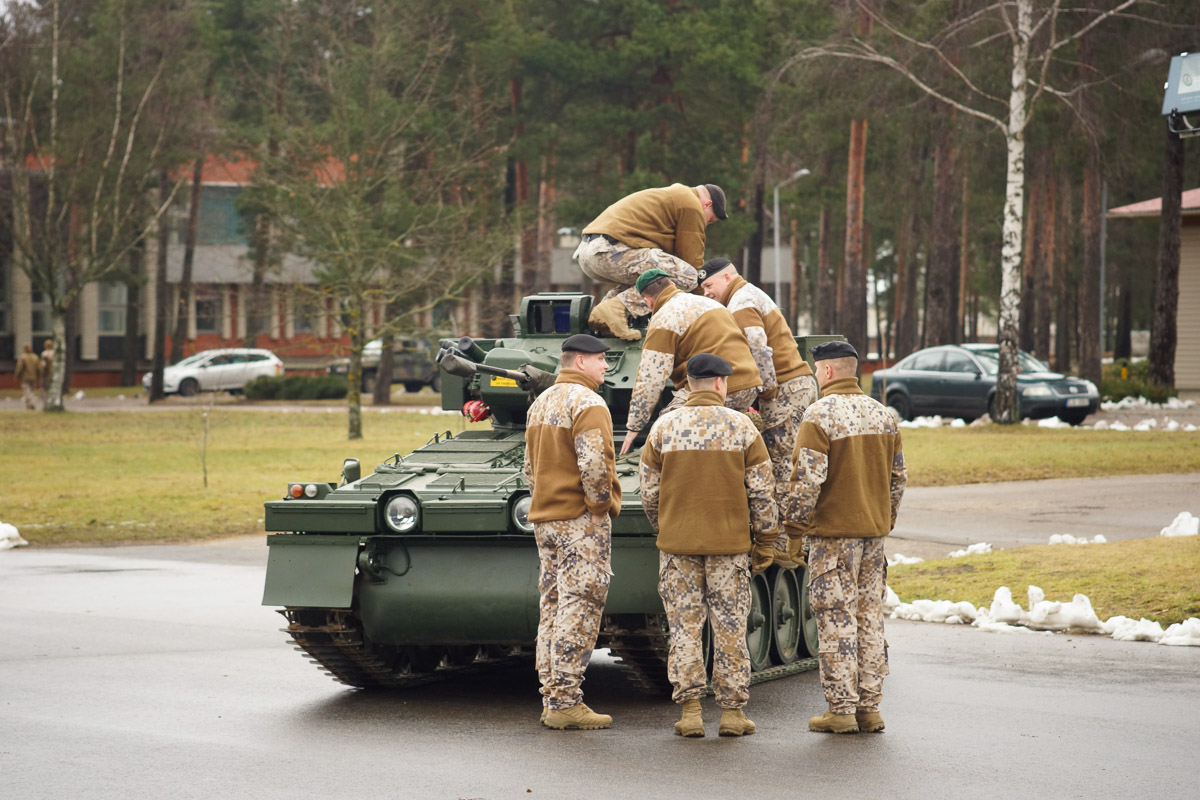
[[427, 567]]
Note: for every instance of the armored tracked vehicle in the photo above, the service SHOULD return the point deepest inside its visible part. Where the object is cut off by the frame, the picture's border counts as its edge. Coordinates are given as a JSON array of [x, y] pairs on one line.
[[427, 566]]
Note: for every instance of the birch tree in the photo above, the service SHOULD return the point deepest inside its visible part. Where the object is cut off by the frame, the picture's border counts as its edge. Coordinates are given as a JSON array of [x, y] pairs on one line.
[[1034, 35]]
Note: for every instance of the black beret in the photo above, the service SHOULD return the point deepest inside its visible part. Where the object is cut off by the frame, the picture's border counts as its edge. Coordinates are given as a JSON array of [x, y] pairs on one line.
[[712, 267], [829, 350], [717, 195], [707, 365], [584, 343]]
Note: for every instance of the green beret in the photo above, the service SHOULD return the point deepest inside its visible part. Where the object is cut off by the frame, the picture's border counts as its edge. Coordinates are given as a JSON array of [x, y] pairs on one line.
[[648, 277], [708, 365], [584, 343], [829, 350]]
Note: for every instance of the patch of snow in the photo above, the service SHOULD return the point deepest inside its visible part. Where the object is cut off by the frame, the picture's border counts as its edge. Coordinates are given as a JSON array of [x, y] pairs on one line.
[[1183, 634], [900, 558], [1139, 403], [890, 600], [1148, 424], [79, 395], [1066, 538], [10, 537], [973, 550], [1053, 422], [937, 611], [1124, 629], [958, 422], [1183, 525], [1077, 615], [923, 422]]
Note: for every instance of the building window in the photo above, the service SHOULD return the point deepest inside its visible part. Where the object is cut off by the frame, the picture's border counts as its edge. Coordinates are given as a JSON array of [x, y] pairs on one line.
[[111, 307], [40, 309], [209, 308], [306, 310]]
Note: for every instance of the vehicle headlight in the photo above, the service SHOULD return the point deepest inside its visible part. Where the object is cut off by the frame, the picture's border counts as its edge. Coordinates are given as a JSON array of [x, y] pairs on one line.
[[401, 513], [520, 514], [1037, 391]]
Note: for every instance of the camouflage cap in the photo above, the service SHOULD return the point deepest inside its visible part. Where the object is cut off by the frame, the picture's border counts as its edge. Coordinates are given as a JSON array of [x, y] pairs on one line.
[[648, 277]]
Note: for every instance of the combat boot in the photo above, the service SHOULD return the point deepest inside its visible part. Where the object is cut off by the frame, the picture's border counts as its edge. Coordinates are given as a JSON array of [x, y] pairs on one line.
[[609, 319], [830, 722], [577, 716], [735, 723], [690, 722], [868, 721]]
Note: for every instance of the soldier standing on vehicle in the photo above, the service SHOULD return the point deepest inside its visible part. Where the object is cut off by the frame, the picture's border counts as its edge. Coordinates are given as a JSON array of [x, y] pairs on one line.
[[570, 466], [847, 480], [788, 384], [707, 489], [663, 228], [682, 326], [29, 374]]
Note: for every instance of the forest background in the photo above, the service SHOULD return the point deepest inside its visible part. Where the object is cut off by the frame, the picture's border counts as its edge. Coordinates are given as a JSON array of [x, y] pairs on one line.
[[415, 149]]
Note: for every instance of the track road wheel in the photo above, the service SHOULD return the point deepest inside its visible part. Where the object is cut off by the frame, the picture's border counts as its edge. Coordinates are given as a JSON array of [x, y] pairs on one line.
[[785, 601], [808, 620], [760, 624], [461, 655]]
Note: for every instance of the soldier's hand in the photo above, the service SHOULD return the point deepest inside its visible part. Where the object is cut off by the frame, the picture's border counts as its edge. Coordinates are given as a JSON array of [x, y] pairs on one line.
[[761, 557], [796, 550], [628, 443], [599, 519]]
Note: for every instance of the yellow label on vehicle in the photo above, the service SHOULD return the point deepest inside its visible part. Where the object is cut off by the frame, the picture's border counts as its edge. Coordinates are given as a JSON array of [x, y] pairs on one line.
[[499, 381]]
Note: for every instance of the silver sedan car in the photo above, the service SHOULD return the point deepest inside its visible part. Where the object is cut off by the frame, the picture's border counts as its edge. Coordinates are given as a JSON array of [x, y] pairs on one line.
[[218, 370]]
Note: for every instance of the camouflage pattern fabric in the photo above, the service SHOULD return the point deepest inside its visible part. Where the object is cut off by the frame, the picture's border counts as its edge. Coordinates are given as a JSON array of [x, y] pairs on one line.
[[576, 567], [716, 588], [740, 400], [846, 588], [602, 260], [781, 417]]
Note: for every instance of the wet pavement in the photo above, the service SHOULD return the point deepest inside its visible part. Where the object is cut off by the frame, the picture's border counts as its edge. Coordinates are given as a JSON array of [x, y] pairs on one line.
[[154, 672]]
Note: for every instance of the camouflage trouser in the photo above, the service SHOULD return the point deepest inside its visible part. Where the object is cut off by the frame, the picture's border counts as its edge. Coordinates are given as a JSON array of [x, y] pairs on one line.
[[781, 417], [601, 260], [846, 589], [576, 565], [741, 400], [717, 588], [29, 394]]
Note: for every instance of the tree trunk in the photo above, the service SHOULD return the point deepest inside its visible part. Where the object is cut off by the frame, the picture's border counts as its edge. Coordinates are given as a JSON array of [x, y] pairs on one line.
[[826, 304], [754, 246], [58, 367], [1006, 410], [942, 273], [852, 317], [1123, 346], [792, 314], [1044, 276], [1089, 274], [1029, 260], [382, 393], [162, 306], [189, 253], [964, 249], [1166, 285], [354, 327], [129, 347], [546, 223], [1064, 223]]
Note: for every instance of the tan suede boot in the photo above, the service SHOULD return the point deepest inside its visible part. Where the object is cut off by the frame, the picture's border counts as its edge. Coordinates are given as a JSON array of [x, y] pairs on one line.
[[609, 319], [830, 722], [735, 723], [690, 722], [868, 721], [577, 716]]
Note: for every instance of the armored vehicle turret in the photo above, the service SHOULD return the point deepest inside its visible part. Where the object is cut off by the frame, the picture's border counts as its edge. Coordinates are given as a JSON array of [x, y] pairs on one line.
[[427, 566]]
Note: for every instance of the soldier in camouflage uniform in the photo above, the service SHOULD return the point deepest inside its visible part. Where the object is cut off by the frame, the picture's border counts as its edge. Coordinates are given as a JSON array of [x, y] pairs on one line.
[[570, 465], [788, 383], [707, 489], [654, 228], [847, 480], [683, 325]]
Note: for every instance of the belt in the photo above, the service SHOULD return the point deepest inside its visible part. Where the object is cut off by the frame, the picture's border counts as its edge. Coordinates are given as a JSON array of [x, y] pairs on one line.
[[587, 237]]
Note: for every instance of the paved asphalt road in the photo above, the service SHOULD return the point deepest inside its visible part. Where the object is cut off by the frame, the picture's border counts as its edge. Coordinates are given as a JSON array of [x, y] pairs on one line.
[[153, 672]]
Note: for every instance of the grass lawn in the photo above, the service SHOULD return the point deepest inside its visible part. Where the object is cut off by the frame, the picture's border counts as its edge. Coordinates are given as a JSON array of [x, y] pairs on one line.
[[118, 477], [109, 477], [1154, 578]]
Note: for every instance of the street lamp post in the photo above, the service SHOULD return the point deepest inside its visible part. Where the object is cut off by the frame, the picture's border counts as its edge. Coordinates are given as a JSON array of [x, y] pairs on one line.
[[797, 175]]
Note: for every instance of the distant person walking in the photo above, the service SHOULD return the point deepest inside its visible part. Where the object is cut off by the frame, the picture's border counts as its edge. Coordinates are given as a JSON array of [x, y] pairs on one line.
[[29, 374], [663, 228], [47, 366]]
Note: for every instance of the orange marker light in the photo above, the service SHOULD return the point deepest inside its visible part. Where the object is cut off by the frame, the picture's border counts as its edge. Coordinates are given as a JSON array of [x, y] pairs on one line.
[[296, 490]]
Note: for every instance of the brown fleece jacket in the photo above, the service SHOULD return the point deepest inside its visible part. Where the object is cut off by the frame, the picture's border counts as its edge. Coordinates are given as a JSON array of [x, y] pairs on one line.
[[670, 219]]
